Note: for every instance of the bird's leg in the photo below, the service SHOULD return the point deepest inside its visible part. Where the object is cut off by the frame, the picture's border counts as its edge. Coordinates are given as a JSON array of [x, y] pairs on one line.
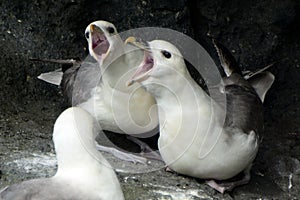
[[146, 151], [121, 155], [168, 169], [228, 186]]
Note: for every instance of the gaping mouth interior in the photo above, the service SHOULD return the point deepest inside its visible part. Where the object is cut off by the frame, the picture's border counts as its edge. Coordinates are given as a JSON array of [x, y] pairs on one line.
[[147, 63], [143, 70], [100, 44]]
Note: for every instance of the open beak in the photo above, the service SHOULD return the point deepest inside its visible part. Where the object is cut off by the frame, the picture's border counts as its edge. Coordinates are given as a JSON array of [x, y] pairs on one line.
[[99, 42], [143, 70], [92, 28]]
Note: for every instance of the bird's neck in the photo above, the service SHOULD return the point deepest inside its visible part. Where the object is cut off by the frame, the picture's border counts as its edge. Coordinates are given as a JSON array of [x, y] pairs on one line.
[[119, 66], [178, 92], [113, 71], [188, 117], [117, 75], [186, 106], [80, 161], [88, 174]]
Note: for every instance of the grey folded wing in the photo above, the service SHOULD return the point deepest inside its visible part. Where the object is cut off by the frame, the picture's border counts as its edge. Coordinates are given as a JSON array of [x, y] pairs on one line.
[[79, 81]]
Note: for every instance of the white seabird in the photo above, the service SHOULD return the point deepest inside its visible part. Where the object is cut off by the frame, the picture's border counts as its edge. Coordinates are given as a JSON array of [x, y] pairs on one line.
[[198, 136], [118, 108], [83, 173], [102, 91], [100, 87]]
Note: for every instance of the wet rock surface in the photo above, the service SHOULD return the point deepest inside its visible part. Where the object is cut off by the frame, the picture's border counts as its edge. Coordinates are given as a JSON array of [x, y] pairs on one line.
[[257, 32]]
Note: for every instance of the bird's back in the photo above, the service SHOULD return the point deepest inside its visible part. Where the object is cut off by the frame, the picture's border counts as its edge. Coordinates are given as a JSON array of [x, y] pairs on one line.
[[244, 108], [38, 189]]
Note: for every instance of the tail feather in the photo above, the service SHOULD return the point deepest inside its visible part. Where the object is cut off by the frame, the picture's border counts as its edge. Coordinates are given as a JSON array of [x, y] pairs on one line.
[[249, 74], [262, 82], [227, 60], [59, 61], [53, 77]]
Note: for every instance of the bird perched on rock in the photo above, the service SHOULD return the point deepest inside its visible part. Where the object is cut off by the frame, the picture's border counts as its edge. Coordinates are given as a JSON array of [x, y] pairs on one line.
[[199, 136], [84, 176], [117, 108], [100, 87]]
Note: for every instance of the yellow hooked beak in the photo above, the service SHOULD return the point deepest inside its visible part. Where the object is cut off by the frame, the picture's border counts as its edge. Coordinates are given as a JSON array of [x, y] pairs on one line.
[[136, 42]]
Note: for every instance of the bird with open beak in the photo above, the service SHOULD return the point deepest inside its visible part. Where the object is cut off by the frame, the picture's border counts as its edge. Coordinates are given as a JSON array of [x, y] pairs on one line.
[[99, 87], [100, 90], [199, 137]]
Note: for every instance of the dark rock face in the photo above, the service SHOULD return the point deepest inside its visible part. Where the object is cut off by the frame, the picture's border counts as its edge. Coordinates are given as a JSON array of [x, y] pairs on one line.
[[257, 32]]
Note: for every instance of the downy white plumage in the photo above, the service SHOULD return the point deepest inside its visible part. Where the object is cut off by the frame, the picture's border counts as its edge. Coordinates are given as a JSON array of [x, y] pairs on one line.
[[100, 87], [198, 136], [83, 173], [116, 107]]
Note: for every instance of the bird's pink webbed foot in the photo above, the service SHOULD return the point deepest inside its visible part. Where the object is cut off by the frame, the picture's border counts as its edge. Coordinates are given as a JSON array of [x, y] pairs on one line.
[[230, 185]]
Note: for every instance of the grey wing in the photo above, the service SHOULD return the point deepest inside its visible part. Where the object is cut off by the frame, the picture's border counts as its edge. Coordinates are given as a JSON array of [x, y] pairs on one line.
[[67, 82], [26, 190], [40, 189], [244, 109], [243, 105], [79, 81]]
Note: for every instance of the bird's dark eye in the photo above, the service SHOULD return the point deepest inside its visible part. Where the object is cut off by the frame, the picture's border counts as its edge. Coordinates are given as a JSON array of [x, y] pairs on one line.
[[87, 35], [166, 54], [110, 29]]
